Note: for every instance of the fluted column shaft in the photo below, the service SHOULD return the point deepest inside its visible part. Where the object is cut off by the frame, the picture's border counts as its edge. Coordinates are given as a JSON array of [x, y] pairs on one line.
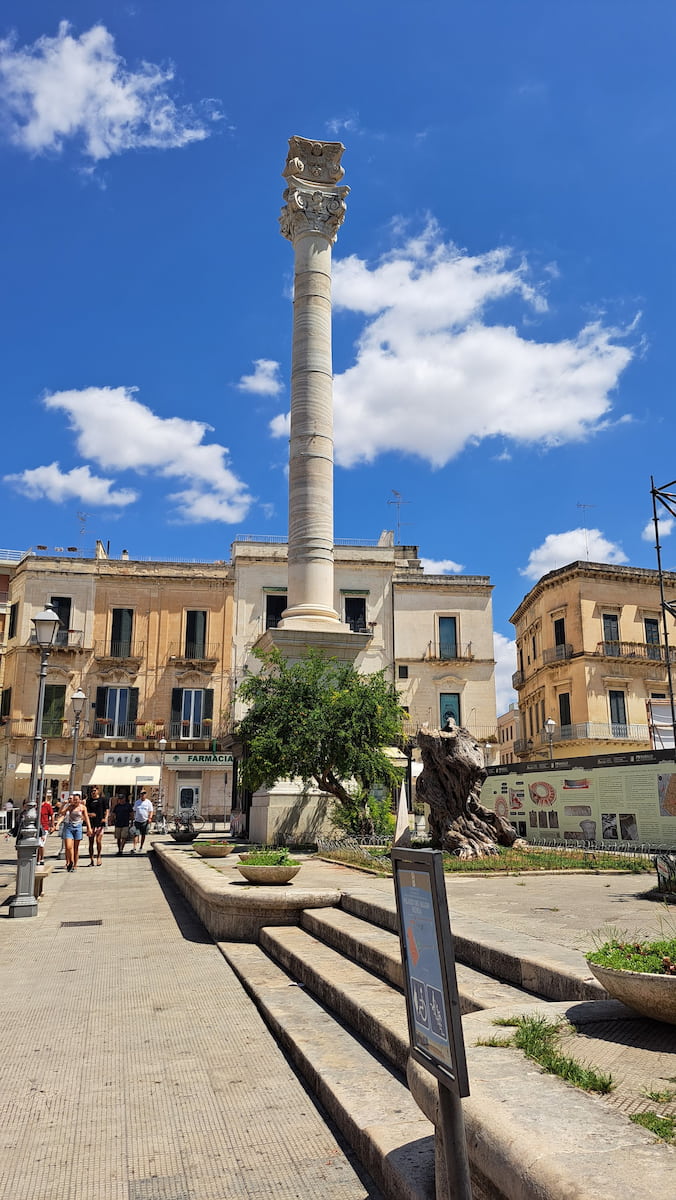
[[314, 211]]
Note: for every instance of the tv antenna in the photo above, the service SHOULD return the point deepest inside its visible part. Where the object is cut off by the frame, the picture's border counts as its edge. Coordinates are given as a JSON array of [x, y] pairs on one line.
[[584, 508], [397, 502]]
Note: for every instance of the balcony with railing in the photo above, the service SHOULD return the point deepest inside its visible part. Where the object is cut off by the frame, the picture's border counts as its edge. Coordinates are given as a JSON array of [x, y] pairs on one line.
[[557, 653], [186, 731], [24, 727], [518, 678], [195, 652], [68, 640], [124, 650], [641, 651], [418, 719], [448, 652]]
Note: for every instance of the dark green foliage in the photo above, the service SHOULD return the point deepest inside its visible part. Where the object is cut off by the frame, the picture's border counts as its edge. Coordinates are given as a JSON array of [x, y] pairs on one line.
[[662, 1127], [656, 958], [322, 722]]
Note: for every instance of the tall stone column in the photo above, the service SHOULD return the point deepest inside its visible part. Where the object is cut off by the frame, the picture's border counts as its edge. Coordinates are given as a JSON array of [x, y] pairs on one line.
[[314, 211]]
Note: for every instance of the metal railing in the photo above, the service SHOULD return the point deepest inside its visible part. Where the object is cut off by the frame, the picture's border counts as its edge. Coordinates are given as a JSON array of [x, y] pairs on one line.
[[124, 648], [66, 639], [448, 652], [186, 731], [647, 651], [557, 653], [584, 732], [196, 651], [52, 727], [415, 721]]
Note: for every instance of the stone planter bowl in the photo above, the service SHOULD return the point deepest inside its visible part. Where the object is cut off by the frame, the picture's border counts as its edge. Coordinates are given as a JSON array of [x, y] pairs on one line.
[[650, 995], [268, 875], [182, 835], [213, 849]]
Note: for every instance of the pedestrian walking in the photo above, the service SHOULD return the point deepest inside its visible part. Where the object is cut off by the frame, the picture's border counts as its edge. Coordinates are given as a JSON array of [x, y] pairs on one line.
[[122, 814], [97, 807], [58, 823], [74, 817], [46, 825], [143, 811]]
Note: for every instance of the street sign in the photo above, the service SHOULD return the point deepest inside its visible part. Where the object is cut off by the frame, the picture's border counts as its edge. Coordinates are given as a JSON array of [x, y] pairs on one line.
[[430, 984]]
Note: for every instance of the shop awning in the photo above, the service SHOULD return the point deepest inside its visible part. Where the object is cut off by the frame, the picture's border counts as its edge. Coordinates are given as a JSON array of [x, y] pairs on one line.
[[52, 770], [104, 774]]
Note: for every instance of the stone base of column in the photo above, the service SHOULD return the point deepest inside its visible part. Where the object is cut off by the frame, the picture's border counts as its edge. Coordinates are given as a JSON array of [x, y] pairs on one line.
[[332, 639]]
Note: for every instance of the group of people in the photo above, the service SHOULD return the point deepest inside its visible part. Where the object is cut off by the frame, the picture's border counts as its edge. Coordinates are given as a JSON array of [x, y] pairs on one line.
[[131, 820]]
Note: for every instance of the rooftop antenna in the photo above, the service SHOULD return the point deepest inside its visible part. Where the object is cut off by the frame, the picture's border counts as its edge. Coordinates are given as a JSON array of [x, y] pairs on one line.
[[397, 502], [584, 508]]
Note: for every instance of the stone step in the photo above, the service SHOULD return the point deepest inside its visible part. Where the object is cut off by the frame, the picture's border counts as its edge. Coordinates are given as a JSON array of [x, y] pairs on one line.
[[362, 1000], [553, 972], [378, 950], [369, 1104]]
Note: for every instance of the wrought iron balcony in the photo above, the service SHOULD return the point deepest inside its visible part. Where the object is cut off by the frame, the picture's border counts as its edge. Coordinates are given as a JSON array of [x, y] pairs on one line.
[[66, 639], [123, 649], [448, 652], [643, 651], [186, 731], [190, 652], [595, 731], [52, 727], [557, 653]]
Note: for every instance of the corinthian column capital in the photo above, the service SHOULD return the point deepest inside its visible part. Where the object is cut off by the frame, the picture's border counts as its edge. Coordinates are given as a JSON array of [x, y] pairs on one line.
[[314, 201]]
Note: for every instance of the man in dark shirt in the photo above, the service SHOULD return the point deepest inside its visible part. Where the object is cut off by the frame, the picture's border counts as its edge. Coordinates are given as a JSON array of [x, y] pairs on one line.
[[122, 814], [97, 808]]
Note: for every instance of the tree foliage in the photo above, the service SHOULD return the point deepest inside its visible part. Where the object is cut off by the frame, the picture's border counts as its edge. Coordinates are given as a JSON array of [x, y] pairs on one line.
[[322, 722]]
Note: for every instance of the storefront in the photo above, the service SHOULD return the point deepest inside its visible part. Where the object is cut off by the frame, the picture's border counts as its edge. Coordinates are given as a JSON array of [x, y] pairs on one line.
[[198, 783]]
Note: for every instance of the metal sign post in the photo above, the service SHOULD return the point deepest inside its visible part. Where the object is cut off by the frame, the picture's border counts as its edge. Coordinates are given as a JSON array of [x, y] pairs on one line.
[[432, 1003]]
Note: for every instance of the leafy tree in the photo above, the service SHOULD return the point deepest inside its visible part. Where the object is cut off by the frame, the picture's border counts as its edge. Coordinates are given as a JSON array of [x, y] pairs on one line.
[[322, 722]]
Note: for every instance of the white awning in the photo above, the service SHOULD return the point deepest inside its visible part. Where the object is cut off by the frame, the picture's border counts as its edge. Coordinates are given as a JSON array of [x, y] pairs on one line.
[[104, 774], [52, 770]]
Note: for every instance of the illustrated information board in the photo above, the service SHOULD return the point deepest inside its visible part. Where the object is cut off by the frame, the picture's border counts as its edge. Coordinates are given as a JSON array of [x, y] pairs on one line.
[[431, 988]]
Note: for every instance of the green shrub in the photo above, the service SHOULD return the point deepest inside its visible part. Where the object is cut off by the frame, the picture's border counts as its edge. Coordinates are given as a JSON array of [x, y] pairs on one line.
[[271, 858]]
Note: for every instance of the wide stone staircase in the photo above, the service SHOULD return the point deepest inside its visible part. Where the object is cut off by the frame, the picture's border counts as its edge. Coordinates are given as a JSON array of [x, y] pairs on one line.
[[331, 991]]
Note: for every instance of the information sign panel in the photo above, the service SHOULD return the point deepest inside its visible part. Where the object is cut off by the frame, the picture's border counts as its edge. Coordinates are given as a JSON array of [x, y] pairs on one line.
[[432, 1004]]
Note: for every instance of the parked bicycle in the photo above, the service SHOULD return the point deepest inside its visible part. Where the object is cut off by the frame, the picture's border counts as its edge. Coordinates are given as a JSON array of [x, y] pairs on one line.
[[185, 826]]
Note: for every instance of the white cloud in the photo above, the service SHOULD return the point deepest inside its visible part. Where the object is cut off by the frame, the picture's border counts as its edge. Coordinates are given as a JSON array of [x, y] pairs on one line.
[[265, 379], [280, 426], [346, 124], [559, 549], [432, 375], [440, 566], [117, 432], [51, 483], [67, 87], [504, 650], [665, 524]]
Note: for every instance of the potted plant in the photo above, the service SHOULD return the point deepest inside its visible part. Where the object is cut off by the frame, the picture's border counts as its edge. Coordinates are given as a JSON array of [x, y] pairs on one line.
[[213, 848], [269, 866], [639, 973]]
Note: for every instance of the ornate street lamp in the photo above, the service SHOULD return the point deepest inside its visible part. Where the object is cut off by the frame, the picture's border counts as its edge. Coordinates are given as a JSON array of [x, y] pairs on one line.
[[160, 803], [78, 701], [550, 726], [24, 903]]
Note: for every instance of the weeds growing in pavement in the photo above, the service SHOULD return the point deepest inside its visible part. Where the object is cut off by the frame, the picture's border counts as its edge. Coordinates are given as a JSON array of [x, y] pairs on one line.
[[538, 1038]]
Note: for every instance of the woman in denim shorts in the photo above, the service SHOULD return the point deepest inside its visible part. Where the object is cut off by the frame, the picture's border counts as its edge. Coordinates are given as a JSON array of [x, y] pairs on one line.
[[74, 816]]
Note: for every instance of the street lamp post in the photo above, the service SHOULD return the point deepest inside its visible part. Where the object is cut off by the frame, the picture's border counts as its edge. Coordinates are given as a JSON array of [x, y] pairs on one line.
[[550, 726], [160, 803], [24, 903], [78, 701]]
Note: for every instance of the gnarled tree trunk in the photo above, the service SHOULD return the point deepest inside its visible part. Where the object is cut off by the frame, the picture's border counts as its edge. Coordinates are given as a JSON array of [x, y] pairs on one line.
[[450, 782]]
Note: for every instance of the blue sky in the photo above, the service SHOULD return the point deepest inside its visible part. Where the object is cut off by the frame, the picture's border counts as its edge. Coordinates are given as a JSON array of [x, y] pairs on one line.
[[504, 297]]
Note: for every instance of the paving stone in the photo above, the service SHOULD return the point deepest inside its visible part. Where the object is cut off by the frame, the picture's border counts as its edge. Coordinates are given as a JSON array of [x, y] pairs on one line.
[[135, 1067]]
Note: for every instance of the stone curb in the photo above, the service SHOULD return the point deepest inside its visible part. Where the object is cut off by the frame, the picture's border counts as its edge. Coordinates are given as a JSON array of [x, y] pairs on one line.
[[230, 908]]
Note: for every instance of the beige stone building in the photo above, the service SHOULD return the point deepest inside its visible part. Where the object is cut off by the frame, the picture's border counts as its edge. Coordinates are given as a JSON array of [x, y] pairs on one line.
[[431, 634], [149, 643], [509, 731], [590, 656]]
